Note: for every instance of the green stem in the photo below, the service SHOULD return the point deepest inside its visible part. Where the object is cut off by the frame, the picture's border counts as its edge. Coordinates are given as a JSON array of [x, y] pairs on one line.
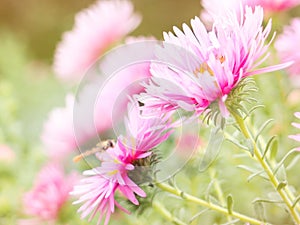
[[166, 214], [201, 202], [282, 191]]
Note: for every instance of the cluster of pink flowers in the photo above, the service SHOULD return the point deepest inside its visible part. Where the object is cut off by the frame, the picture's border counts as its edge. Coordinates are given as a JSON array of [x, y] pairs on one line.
[[49, 194], [98, 190], [195, 68], [192, 69]]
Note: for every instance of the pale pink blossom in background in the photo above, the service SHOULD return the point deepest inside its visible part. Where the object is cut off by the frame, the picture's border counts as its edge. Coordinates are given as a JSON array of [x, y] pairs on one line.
[[215, 8], [274, 5], [97, 192], [187, 143], [96, 29], [288, 47], [6, 153], [296, 137], [58, 135], [202, 67], [50, 192]]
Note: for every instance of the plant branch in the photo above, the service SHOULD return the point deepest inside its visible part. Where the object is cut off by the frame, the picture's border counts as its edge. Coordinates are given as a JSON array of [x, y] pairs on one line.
[[206, 204], [258, 155]]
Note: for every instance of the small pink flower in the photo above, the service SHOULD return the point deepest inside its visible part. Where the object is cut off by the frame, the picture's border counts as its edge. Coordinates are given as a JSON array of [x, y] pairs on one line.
[[199, 67], [96, 29], [288, 47], [50, 192], [97, 192], [296, 137]]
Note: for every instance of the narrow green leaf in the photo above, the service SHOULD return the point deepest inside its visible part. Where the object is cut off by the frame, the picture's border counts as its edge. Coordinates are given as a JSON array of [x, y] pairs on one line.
[[208, 189], [262, 128], [267, 201], [282, 160], [281, 173], [281, 185], [231, 222], [254, 175], [252, 171], [235, 142], [274, 150], [259, 210], [293, 162], [197, 215], [250, 111], [229, 203], [250, 146], [213, 148], [270, 141], [296, 201]]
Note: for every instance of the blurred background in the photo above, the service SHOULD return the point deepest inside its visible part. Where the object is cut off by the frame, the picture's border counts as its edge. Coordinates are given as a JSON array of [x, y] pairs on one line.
[[39, 24]]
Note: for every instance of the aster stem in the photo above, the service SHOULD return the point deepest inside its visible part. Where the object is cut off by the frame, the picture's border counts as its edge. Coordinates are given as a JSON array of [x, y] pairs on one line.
[[190, 198], [285, 196], [161, 209]]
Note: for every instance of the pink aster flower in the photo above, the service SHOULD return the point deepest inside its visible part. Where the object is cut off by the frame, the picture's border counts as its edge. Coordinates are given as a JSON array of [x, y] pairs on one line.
[[95, 30], [288, 47], [198, 67], [98, 191], [296, 137], [49, 194]]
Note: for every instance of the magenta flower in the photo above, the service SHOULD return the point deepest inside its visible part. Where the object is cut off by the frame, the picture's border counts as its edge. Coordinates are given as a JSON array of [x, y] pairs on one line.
[[296, 137], [98, 191], [96, 29], [288, 47], [199, 67], [49, 194], [144, 131]]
